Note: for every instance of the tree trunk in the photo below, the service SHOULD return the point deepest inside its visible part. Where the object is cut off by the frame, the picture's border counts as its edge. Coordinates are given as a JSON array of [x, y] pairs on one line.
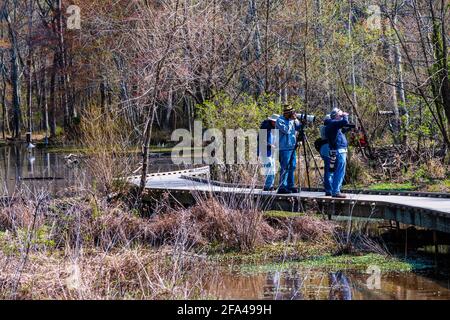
[[330, 98], [266, 49], [4, 111], [15, 79], [103, 96], [445, 88], [390, 90], [63, 67], [353, 75], [256, 45], [44, 105], [169, 109], [5, 120], [52, 111], [400, 89], [439, 71], [30, 73]]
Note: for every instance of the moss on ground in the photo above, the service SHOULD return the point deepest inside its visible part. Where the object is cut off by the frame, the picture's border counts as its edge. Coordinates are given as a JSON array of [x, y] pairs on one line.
[[275, 252], [282, 256], [388, 186], [432, 185], [344, 262], [439, 186], [283, 214], [290, 214]]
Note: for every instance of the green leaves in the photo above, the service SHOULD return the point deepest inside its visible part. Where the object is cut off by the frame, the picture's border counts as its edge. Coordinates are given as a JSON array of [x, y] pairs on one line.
[[224, 112]]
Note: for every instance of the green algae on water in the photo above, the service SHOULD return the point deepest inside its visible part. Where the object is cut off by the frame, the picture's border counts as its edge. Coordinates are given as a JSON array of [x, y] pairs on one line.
[[344, 262]]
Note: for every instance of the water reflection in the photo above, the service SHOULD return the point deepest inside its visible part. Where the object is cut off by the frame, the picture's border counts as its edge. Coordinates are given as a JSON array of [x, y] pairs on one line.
[[31, 169], [298, 284], [340, 288], [35, 169]]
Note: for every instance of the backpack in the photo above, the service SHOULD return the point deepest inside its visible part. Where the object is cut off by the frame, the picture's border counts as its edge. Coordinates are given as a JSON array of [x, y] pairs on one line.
[[319, 143]]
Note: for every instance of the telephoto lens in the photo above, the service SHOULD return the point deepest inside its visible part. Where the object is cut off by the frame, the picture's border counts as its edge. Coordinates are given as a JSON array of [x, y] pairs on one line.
[[306, 117]]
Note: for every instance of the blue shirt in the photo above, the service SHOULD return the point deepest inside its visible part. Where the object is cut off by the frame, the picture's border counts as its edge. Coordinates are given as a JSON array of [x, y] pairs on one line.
[[266, 125], [333, 131], [287, 129]]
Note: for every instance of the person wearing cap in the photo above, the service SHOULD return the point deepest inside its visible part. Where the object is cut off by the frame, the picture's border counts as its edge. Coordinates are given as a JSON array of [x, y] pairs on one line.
[[325, 154], [287, 126], [267, 154], [334, 131]]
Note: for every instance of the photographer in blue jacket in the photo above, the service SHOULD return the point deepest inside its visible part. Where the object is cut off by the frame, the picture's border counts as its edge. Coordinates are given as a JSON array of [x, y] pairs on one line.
[[335, 132], [287, 126], [325, 154]]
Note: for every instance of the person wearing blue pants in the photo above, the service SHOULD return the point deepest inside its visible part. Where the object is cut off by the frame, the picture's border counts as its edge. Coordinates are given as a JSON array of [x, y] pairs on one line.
[[267, 154], [334, 131], [325, 154], [287, 126]]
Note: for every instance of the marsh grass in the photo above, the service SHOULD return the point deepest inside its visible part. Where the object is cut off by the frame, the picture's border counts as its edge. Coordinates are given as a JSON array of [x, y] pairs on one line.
[[84, 245], [128, 273], [108, 147]]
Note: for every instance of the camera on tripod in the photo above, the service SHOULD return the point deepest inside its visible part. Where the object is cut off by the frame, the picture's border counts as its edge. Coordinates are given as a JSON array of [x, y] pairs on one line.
[[306, 118]]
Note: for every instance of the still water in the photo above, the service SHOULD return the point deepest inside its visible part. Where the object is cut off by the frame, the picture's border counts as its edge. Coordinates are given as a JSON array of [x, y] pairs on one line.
[[298, 284], [290, 282], [33, 170]]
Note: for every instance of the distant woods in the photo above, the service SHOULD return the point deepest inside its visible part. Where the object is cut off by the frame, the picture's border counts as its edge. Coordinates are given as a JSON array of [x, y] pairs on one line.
[[157, 65]]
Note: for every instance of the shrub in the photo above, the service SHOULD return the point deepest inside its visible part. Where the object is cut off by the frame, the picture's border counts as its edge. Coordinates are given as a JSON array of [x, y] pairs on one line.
[[357, 171], [212, 222], [435, 169], [108, 142], [223, 112]]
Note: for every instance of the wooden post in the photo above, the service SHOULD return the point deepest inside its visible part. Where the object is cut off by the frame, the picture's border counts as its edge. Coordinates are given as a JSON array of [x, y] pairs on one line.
[[406, 243], [28, 137], [397, 227], [331, 211], [436, 248]]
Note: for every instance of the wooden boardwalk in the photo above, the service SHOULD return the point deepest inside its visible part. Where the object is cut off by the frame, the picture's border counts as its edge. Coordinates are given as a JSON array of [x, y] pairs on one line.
[[427, 210]]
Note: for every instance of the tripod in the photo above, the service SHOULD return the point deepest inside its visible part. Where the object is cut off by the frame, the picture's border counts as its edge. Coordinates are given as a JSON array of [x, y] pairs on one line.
[[302, 136], [303, 139]]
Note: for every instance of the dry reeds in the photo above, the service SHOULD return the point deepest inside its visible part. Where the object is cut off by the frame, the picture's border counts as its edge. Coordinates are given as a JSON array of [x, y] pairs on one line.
[[78, 248], [109, 146], [211, 222], [126, 274]]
